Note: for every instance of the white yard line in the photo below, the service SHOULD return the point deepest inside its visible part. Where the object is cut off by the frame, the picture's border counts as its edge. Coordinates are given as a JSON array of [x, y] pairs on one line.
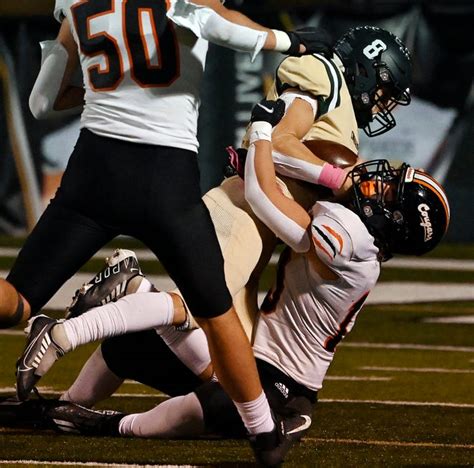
[[390, 443], [404, 262], [463, 319], [353, 378], [384, 293], [408, 346], [97, 464], [321, 400], [426, 370], [399, 403]]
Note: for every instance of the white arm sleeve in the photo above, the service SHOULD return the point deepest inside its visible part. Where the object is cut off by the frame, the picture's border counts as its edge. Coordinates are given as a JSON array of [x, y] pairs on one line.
[[285, 228], [207, 24], [48, 82], [294, 167]]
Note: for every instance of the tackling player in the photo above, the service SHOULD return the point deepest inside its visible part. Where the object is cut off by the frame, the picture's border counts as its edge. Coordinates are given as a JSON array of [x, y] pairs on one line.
[[321, 285]]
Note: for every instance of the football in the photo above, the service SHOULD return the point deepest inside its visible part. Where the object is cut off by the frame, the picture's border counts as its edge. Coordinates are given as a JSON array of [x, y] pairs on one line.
[[331, 152]]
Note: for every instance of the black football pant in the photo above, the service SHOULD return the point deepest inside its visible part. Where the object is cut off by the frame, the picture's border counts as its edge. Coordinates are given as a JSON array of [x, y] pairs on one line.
[[114, 187], [144, 357]]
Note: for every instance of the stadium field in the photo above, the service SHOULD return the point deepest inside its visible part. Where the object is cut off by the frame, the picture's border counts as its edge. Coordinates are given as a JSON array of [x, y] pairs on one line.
[[399, 393]]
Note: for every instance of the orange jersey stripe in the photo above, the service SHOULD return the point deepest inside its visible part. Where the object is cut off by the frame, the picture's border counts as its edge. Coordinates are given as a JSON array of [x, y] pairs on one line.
[[338, 237]]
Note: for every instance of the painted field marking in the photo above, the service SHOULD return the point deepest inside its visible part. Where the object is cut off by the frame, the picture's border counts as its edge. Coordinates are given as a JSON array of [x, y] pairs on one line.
[[370, 378], [355, 344], [463, 319], [404, 262], [428, 370], [98, 464], [398, 403], [390, 443], [411, 346], [47, 391]]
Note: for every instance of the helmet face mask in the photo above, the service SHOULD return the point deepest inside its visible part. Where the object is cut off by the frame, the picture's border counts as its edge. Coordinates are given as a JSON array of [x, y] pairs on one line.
[[405, 210], [378, 74]]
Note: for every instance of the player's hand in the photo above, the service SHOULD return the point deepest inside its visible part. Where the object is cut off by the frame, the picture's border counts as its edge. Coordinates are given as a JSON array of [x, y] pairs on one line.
[[235, 162], [268, 111], [305, 41]]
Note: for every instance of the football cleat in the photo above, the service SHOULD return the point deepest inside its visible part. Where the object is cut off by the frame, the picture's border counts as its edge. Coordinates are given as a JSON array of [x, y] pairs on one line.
[[61, 416], [28, 414], [69, 417], [40, 353], [121, 276], [270, 448]]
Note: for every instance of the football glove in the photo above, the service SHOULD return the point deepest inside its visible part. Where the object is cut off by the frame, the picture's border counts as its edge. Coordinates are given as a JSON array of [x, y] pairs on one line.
[[268, 111], [235, 162], [316, 41]]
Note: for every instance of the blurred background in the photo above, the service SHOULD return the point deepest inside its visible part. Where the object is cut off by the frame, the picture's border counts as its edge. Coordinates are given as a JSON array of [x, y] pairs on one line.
[[436, 132]]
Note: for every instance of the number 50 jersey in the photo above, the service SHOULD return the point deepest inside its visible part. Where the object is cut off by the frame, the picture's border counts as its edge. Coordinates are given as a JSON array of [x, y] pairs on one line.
[[141, 73]]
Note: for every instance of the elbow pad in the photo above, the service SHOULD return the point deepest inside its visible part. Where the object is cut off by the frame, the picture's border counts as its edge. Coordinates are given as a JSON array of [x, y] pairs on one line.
[[283, 227], [207, 24], [46, 88]]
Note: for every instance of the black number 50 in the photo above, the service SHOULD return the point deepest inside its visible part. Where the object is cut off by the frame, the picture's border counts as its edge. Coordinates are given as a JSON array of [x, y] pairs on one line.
[[142, 70]]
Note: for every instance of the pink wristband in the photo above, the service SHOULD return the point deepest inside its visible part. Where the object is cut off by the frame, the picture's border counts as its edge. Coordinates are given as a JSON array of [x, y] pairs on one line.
[[331, 176]]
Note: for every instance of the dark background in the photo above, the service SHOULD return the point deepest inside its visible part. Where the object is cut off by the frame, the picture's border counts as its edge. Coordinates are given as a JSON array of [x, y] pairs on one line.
[[438, 33]]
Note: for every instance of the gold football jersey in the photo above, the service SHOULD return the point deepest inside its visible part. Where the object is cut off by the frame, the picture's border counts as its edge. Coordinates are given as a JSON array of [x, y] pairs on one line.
[[319, 76]]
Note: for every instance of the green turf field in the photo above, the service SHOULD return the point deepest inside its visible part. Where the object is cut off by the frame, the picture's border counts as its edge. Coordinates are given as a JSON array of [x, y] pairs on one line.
[[400, 392]]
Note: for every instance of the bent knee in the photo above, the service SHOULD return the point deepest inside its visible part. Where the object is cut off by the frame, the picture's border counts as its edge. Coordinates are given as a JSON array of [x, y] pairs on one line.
[[14, 308]]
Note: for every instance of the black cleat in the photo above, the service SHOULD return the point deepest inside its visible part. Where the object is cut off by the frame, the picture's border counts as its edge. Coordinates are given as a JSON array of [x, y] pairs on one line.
[[270, 448], [69, 417], [61, 416], [121, 276], [28, 414], [40, 353]]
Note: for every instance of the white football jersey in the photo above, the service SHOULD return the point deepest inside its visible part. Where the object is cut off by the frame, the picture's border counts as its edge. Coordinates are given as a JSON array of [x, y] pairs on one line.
[[310, 315], [141, 73]]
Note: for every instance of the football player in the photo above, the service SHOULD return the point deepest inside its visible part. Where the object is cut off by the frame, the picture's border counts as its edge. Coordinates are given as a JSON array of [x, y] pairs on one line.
[[134, 170], [304, 105], [324, 277]]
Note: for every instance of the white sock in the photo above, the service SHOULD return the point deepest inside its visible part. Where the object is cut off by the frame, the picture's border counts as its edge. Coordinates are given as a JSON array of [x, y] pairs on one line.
[[256, 415], [145, 286], [94, 383], [131, 313], [190, 347], [174, 418]]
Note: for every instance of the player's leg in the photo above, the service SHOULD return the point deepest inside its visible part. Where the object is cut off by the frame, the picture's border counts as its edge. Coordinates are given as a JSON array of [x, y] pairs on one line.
[[95, 382], [181, 234], [142, 357], [64, 238], [61, 242]]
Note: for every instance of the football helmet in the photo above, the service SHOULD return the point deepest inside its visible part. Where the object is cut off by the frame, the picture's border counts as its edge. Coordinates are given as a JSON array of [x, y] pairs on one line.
[[377, 68], [405, 209]]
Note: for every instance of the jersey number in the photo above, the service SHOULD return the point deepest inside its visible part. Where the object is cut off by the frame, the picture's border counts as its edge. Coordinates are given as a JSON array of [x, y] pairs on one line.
[[373, 50], [332, 341], [142, 71]]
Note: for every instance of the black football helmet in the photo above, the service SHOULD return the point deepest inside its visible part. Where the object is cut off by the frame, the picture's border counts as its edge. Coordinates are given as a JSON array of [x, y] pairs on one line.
[[405, 209], [378, 74]]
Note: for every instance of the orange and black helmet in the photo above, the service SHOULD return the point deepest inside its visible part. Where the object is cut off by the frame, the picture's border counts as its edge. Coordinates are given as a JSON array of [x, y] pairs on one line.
[[405, 209]]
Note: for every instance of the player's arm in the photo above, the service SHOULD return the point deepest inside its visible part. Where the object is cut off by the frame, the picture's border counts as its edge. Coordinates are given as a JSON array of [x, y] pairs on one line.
[[58, 86], [211, 20], [285, 217], [291, 157]]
